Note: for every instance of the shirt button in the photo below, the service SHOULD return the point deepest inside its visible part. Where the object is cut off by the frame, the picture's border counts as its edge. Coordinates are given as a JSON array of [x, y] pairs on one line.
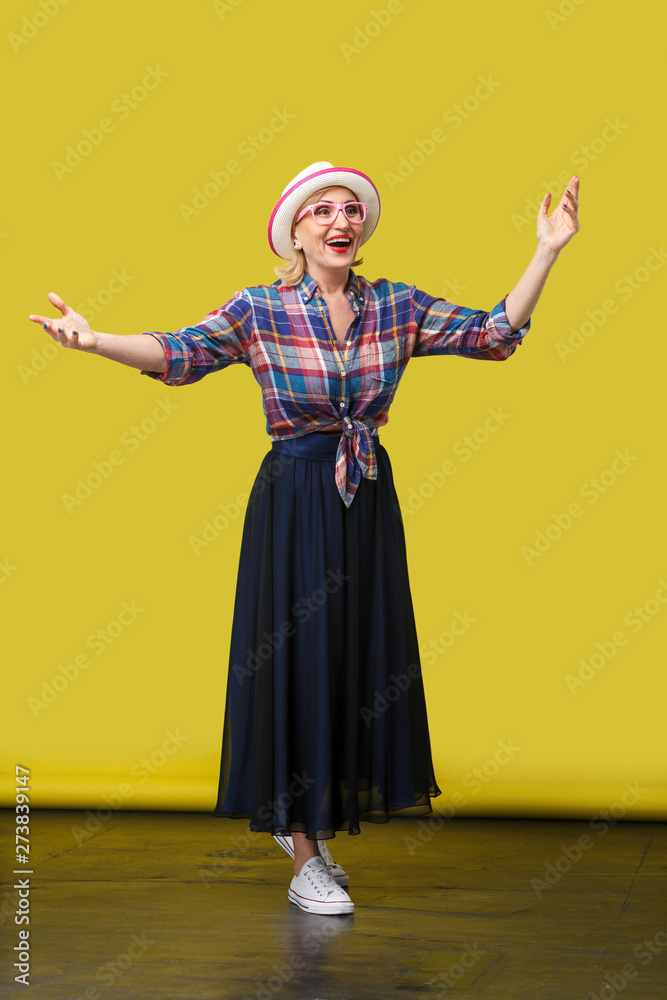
[[343, 374], [342, 404], [348, 342]]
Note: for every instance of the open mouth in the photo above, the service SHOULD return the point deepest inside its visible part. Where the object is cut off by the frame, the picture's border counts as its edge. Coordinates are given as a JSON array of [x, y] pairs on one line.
[[339, 244]]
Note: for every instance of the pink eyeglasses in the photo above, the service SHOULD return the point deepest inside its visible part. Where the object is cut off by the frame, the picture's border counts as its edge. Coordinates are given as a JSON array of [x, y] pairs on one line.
[[324, 212]]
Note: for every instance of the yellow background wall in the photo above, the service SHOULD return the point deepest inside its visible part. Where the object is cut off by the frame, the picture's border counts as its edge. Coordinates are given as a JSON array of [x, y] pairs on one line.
[[562, 88]]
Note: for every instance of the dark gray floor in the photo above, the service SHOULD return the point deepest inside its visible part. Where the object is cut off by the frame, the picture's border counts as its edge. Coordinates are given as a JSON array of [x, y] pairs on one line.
[[186, 905]]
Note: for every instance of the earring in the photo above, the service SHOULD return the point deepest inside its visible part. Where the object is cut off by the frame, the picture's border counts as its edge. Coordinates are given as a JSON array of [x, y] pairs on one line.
[[297, 246]]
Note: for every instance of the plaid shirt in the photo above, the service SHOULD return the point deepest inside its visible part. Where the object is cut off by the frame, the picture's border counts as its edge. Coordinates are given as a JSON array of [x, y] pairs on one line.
[[309, 381]]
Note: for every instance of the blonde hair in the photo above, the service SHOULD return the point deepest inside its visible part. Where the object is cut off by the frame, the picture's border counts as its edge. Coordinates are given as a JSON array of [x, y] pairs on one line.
[[293, 271]]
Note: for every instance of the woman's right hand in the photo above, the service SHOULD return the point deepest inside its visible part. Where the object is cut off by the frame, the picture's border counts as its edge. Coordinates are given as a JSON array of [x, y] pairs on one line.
[[70, 330]]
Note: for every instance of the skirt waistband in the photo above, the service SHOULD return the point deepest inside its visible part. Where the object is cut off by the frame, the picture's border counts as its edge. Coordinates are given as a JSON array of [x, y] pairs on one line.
[[316, 444]]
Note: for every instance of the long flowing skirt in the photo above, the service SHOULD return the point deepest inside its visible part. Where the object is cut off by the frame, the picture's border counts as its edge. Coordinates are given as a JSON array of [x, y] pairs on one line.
[[325, 717]]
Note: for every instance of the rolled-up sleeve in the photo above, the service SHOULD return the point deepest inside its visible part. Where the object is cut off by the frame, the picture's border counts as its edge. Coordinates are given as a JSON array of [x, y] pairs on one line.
[[446, 328], [221, 339]]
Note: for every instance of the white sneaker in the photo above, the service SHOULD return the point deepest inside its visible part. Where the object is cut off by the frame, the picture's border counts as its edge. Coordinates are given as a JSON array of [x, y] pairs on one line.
[[335, 870], [315, 891]]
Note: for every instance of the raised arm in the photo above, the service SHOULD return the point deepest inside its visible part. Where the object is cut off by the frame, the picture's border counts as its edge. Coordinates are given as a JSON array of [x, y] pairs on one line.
[[72, 330], [553, 232], [446, 328]]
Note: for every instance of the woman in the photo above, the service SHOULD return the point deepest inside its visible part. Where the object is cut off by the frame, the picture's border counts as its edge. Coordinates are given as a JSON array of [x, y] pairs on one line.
[[325, 718]]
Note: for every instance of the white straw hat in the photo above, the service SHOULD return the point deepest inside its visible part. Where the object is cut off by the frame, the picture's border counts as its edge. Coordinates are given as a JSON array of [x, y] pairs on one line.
[[314, 177]]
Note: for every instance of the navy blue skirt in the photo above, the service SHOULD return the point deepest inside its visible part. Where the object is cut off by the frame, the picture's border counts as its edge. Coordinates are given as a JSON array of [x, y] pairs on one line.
[[325, 718]]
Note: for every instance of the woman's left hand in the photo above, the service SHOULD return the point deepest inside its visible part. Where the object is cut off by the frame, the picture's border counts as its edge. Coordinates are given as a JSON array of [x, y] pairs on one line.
[[557, 229]]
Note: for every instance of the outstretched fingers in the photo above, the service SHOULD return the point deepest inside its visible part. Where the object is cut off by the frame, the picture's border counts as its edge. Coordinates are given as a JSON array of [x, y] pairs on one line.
[[568, 201], [56, 328], [571, 192], [544, 207], [59, 303]]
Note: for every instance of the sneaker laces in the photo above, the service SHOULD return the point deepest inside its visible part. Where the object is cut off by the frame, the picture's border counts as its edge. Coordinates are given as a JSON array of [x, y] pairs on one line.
[[320, 878], [324, 851]]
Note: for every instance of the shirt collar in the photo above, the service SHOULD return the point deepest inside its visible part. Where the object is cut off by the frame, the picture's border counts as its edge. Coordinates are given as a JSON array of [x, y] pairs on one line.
[[307, 287]]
